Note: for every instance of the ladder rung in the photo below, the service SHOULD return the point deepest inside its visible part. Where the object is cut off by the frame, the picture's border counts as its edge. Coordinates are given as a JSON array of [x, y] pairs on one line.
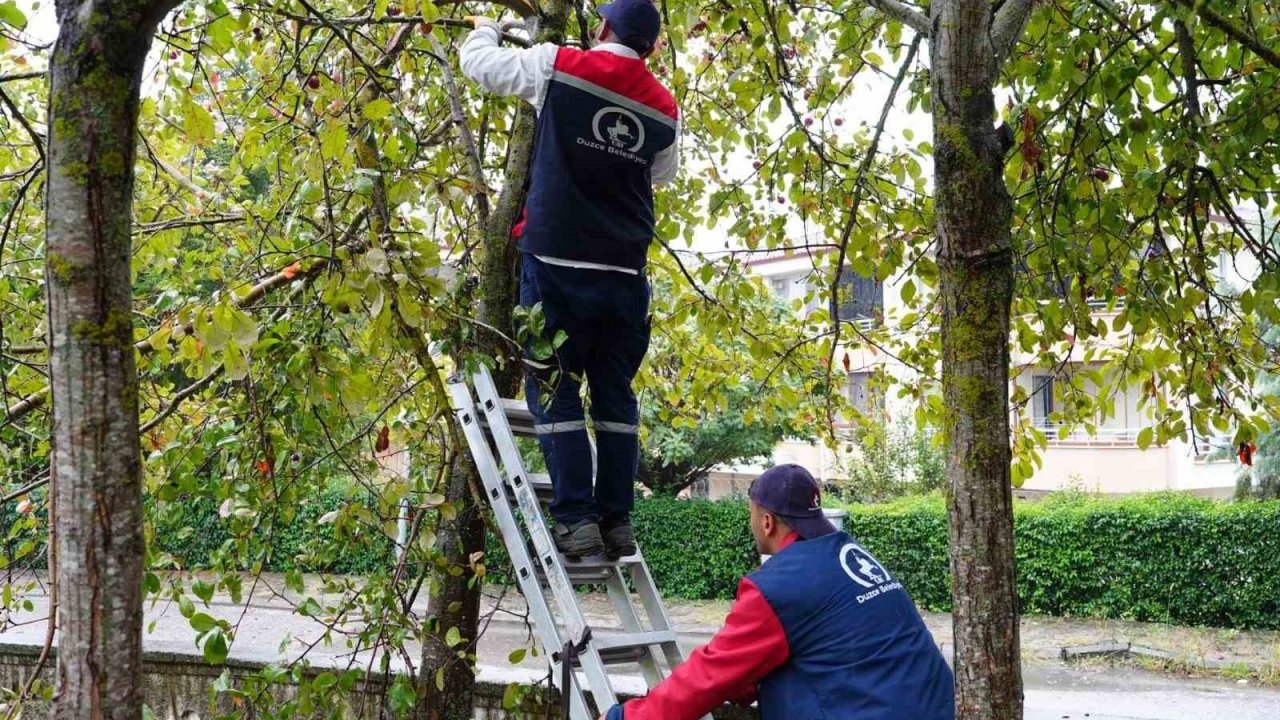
[[580, 576], [589, 571], [618, 656], [628, 648], [637, 640], [518, 417], [541, 483], [516, 496]]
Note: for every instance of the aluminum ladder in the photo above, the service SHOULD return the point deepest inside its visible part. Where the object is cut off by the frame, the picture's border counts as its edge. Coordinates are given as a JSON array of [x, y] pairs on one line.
[[491, 422]]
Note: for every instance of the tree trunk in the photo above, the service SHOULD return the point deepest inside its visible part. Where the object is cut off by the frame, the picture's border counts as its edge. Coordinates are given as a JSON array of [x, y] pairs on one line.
[[97, 466], [456, 598], [976, 288]]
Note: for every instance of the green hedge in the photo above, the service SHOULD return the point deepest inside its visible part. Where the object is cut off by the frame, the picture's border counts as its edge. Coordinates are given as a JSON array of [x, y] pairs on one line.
[[192, 531], [695, 549], [1162, 558]]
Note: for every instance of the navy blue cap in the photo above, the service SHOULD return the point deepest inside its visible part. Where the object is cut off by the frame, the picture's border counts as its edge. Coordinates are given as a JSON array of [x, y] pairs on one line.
[[635, 22], [791, 493]]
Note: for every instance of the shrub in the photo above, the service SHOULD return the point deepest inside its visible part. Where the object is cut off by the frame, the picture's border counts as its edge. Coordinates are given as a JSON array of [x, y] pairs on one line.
[[1162, 558]]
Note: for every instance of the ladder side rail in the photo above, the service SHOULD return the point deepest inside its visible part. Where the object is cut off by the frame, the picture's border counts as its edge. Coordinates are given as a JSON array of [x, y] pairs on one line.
[[526, 577], [647, 590], [527, 501], [617, 586]]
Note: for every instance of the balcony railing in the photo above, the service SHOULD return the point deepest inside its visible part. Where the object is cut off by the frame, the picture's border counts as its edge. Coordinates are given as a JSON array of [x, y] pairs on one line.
[[1080, 436]]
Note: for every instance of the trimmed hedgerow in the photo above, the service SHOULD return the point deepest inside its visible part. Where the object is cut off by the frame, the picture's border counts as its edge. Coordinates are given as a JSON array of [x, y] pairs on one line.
[[1163, 558]]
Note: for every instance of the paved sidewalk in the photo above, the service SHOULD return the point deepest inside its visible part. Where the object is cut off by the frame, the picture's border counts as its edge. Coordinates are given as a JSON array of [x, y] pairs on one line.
[[270, 630], [1043, 638]]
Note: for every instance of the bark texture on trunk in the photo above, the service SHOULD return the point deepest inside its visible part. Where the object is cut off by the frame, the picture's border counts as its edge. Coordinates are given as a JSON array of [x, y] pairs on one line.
[[96, 474], [976, 288], [456, 598]]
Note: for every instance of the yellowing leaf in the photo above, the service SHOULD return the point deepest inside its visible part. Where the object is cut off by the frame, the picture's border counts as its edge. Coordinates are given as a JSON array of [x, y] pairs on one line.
[[197, 123], [377, 109]]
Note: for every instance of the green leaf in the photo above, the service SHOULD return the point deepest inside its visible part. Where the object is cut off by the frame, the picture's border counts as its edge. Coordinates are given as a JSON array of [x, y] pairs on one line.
[[185, 607], [215, 648], [203, 623], [1144, 438], [325, 680], [12, 16], [234, 361], [517, 656], [333, 140], [453, 637], [293, 581], [209, 331], [402, 697], [310, 608], [908, 292], [243, 329], [221, 34], [512, 696], [202, 590], [376, 259]]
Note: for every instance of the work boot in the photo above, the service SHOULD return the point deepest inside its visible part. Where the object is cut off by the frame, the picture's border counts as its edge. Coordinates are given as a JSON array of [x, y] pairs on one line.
[[580, 538], [619, 540]]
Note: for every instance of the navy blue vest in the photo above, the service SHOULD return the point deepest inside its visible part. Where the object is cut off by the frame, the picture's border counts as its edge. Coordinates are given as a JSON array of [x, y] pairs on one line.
[[859, 649], [604, 119]]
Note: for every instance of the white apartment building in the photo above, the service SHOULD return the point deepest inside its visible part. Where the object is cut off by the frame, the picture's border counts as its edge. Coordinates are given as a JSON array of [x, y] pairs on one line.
[[1104, 459]]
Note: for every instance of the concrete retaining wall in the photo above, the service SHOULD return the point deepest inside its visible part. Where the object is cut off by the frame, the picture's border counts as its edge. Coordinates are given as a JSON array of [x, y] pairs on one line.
[[178, 686]]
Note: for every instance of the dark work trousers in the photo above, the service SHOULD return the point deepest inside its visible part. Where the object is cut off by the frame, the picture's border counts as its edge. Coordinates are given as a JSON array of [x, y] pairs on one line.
[[605, 315]]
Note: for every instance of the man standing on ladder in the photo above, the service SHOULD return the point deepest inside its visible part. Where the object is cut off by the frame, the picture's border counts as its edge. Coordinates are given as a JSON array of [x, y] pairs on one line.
[[607, 131]]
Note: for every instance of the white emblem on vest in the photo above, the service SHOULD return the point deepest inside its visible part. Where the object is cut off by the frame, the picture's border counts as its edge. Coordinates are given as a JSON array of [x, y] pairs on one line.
[[869, 572], [618, 127]]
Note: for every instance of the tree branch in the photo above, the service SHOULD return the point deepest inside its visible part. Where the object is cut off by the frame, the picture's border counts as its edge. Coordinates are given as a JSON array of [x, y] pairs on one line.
[[183, 180], [374, 74], [22, 76], [1191, 84], [256, 293], [1007, 26], [1214, 18], [26, 125], [29, 487], [399, 20], [182, 395], [194, 222], [859, 187], [903, 13], [523, 8], [479, 191]]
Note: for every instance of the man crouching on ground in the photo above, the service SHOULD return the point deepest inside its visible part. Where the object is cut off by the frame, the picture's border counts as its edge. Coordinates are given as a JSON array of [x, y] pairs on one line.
[[821, 631]]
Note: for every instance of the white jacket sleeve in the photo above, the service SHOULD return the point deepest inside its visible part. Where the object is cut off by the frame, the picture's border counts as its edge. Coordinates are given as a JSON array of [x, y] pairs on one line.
[[522, 72], [667, 162]]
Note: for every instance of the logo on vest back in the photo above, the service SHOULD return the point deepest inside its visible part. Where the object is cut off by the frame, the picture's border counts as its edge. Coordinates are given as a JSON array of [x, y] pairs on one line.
[[618, 132], [621, 127], [866, 571]]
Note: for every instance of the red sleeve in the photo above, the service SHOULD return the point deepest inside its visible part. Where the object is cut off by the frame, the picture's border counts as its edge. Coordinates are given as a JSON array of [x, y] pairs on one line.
[[751, 645]]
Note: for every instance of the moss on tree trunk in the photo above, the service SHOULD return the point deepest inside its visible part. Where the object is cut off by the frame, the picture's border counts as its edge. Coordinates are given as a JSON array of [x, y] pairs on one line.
[[96, 498]]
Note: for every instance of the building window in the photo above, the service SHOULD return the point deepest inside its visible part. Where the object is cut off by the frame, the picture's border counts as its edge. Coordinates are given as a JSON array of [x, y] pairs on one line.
[[863, 395], [1041, 400], [857, 298], [780, 287]]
